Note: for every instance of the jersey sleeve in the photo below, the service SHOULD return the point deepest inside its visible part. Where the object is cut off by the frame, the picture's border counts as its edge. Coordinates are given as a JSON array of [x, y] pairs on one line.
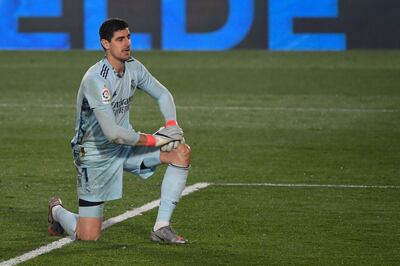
[[155, 89], [99, 98], [96, 91], [111, 130]]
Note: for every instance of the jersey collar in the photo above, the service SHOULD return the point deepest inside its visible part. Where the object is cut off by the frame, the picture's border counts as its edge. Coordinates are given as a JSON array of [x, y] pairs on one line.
[[113, 69]]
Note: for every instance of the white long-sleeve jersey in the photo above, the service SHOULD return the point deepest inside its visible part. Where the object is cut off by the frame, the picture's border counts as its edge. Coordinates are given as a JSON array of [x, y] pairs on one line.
[[103, 104]]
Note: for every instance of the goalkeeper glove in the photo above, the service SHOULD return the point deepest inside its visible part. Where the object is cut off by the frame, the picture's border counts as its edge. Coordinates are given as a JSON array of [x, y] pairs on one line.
[[170, 133]]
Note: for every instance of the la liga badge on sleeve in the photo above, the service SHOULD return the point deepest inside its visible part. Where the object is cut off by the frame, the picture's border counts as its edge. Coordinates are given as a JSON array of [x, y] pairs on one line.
[[105, 95]]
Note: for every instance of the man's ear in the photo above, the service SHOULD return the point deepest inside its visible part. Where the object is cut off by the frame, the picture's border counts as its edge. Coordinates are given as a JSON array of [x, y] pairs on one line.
[[105, 44]]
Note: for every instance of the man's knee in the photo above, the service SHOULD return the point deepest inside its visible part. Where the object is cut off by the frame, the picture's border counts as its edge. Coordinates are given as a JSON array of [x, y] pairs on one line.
[[184, 153], [179, 156], [88, 228], [88, 236]]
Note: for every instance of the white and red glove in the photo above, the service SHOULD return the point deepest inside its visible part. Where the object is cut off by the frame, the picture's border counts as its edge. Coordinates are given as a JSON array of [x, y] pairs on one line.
[[167, 137]]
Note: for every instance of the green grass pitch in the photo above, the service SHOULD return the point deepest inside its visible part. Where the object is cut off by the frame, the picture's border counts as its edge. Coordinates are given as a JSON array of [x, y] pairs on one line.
[[250, 117]]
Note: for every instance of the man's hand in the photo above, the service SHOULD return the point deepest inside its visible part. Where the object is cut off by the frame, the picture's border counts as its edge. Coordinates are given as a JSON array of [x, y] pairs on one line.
[[166, 135], [169, 134], [172, 145]]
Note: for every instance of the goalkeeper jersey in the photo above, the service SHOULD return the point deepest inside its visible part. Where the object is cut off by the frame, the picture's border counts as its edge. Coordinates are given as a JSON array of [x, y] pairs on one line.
[[102, 88]]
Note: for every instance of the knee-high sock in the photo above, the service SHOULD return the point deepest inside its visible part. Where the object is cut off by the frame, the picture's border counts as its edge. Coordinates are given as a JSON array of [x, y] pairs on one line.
[[67, 219], [171, 189]]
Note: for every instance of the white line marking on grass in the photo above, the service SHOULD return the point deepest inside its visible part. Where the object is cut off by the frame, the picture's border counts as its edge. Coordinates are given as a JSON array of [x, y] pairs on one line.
[[307, 185], [289, 109], [110, 222], [232, 108], [39, 251]]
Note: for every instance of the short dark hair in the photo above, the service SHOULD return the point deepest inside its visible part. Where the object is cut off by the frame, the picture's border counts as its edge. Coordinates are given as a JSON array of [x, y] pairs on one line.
[[110, 26]]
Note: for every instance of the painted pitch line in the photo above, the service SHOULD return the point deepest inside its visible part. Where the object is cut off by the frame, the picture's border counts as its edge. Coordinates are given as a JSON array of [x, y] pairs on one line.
[[307, 185], [236, 108], [289, 109], [108, 223]]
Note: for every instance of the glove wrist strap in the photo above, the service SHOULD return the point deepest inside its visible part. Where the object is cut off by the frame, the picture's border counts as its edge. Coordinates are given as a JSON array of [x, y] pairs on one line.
[[150, 140], [171, 123]]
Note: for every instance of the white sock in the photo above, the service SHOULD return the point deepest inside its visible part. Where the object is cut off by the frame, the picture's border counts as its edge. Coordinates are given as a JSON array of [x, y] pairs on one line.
[[53, 211], [67, 219], [171, 189]]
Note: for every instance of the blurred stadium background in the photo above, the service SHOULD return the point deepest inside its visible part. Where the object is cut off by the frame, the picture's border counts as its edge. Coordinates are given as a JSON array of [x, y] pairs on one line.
[[292, 110]]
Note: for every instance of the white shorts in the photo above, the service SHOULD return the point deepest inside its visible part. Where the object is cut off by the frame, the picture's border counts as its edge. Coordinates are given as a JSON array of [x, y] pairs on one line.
[[100, 178]]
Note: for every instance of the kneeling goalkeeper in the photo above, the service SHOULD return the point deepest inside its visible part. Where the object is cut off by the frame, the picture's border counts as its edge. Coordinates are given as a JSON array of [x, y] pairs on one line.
[[105, 143]]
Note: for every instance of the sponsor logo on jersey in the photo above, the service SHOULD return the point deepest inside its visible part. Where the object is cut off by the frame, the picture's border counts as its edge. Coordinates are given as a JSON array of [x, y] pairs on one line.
[[105, 95], [122, 106]]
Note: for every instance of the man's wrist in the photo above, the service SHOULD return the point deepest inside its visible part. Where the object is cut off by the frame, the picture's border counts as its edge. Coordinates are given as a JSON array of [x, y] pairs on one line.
[[171, 122], [150, 140]]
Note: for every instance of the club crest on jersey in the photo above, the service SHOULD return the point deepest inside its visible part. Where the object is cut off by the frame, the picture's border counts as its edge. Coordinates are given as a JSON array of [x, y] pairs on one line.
[[105, 95]]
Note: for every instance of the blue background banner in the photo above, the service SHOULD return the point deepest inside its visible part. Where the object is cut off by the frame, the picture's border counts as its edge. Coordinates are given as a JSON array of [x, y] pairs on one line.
[[290, 25], [12, 38]]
